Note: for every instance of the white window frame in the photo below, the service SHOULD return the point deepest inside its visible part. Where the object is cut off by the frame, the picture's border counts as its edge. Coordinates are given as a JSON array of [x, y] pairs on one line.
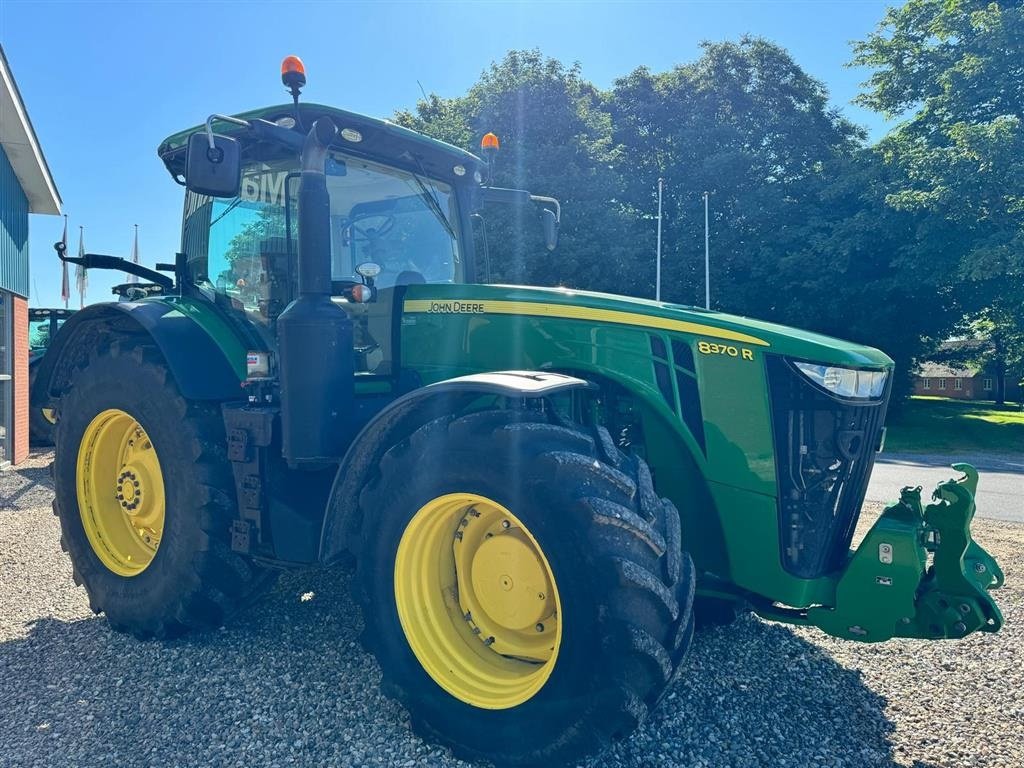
[[986, 384], [958, 383], [926, 383], [942, 383]]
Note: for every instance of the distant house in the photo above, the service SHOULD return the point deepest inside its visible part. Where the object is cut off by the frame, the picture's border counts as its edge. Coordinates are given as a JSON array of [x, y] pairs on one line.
[[970, 383], [25, 187]]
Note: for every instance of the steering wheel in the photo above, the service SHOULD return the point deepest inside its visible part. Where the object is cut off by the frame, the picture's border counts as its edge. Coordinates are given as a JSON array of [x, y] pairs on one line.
[[369, 234]]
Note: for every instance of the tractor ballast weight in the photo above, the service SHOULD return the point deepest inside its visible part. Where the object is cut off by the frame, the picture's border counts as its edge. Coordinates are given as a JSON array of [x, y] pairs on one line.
[[543, 490]]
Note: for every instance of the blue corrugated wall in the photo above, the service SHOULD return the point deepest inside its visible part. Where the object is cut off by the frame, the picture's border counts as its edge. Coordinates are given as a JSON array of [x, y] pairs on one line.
[[13, 231]]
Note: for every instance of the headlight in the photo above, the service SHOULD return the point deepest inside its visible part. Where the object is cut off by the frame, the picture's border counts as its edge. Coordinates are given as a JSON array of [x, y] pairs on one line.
[[845, 382]]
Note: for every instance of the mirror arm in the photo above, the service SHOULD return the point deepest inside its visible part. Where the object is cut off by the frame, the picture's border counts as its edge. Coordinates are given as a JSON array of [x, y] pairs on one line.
[[261, 129], [224, 119], [549, 201], [518, 196], [102, 261]]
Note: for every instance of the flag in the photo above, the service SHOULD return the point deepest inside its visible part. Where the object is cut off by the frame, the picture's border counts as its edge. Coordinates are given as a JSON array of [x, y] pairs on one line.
[[81, 276], [135, 255], [65, 284]]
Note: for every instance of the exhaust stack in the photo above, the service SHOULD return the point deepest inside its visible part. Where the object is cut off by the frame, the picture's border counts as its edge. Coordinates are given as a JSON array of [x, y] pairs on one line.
[[314, 335]]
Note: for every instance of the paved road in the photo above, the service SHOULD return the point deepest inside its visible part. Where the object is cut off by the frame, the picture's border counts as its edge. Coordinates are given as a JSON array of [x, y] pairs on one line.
[[1000, 487]]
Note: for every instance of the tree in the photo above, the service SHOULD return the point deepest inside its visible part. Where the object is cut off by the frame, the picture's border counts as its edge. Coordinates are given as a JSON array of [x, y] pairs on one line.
[[556, 140], [956, 69], [748, 125]]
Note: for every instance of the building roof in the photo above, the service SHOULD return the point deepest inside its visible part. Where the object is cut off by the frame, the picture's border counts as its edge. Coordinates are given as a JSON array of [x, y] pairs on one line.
[[942, 371], [18, 138]]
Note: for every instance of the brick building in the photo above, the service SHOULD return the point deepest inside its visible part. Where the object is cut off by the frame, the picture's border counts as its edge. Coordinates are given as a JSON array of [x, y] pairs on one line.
[[26, 186], [940, 380]]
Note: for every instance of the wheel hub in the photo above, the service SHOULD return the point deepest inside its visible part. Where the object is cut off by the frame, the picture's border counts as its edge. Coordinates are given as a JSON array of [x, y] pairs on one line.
[[477, 601], [509, 581], [120, 492], [128, 491]]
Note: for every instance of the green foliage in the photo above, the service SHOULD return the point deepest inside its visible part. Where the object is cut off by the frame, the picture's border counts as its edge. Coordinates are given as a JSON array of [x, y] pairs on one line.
[[955, 68], [556, 140], [747, 125]]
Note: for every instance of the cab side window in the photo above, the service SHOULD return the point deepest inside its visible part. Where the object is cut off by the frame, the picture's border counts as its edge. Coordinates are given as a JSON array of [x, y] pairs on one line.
[[239, 246]]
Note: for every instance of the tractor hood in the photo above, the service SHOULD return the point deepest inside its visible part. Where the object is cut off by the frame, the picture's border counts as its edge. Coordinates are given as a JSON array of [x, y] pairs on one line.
[[608, 308]]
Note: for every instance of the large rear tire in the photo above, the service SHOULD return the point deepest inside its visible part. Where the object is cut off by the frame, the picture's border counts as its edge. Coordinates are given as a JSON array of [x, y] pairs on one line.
[[524, 589], [144, 493]]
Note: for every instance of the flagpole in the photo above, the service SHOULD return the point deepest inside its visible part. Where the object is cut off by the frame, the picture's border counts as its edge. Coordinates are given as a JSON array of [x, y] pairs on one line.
[[707, 258], [81, 275], [65, 282], [135, 255], [657, 271]]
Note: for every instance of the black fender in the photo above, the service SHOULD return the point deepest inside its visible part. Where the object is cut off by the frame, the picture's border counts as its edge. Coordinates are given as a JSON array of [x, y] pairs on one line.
[[199, 367], [407, 414]]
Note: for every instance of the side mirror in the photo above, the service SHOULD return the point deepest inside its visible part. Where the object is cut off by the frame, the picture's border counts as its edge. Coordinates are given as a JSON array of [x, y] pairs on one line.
[[550, 222], [213, 170]]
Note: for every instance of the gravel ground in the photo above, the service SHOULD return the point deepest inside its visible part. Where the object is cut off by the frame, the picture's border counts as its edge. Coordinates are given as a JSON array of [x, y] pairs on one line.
[[286, 683]]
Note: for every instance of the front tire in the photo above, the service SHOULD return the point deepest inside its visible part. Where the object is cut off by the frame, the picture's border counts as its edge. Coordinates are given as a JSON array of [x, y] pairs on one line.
[[568, 616], [144, 495]]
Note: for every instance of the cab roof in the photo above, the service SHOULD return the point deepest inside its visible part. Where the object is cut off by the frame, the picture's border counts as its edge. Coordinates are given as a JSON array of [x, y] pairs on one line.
[[380, 138]]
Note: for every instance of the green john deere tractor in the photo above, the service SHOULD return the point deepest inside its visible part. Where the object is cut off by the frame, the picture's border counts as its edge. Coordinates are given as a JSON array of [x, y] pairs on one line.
[[43, 324], [541, 489]]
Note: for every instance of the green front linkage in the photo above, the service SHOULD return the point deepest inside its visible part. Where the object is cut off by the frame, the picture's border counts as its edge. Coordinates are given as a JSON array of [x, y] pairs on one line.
[[888, 589]]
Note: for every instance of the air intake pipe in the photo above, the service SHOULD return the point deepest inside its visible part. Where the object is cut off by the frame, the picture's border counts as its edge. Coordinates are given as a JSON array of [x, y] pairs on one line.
[[314, 335]]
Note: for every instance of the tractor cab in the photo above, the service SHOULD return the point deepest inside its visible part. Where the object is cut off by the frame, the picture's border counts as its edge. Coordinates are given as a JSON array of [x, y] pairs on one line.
[[399, 208]]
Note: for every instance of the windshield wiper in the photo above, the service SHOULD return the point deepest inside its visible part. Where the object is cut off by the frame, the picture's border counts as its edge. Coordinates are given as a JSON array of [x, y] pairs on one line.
[[231, 206], [430, 199]]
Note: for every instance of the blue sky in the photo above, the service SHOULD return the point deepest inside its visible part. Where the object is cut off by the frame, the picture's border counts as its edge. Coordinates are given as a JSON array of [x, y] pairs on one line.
[[106, 82]]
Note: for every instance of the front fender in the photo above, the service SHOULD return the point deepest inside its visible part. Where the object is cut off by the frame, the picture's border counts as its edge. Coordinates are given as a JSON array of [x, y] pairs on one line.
[[402, 417], [206, 360]]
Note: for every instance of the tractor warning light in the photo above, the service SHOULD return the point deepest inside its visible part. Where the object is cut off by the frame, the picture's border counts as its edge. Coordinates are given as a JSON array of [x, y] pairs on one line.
[[293, 73], [490, 141], [292, 64]]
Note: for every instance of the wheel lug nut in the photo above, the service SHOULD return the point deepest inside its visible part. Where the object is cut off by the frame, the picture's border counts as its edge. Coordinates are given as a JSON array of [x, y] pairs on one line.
[[506, 524]]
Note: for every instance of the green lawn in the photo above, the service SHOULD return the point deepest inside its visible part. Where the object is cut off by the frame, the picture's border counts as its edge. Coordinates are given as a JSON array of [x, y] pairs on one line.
[[937, 424]]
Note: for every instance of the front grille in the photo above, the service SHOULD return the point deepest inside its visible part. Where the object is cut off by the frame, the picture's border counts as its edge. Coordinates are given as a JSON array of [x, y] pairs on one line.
[[825, 449]]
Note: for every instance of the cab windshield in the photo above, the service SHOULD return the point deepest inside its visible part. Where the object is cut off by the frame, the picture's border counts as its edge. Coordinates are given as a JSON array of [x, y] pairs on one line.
[[245, 247], [400, 221]]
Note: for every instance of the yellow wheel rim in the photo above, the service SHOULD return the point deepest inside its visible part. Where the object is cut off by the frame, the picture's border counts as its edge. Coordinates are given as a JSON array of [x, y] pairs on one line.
[[120, 492], [477, 601]]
